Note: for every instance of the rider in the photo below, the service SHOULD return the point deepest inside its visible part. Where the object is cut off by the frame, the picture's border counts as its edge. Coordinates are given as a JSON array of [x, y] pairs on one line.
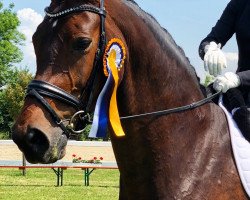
[[235, 86]]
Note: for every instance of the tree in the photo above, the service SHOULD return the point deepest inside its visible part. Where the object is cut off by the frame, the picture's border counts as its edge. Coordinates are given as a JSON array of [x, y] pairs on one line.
[[12, 97], [10, 39], [12, 81]]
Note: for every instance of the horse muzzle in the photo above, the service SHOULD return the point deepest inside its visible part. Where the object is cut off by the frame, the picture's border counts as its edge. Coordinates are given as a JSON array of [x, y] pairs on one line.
[[38, 147]]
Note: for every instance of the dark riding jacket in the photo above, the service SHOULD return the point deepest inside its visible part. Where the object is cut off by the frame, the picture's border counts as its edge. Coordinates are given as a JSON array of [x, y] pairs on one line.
[[235, 19]]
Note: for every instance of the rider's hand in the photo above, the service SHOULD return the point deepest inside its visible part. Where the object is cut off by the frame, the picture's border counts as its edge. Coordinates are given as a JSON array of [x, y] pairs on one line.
[[214, 59], [226, 82]]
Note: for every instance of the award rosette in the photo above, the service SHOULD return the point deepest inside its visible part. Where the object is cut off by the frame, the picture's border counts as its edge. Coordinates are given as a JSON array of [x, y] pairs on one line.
[[106, 110]]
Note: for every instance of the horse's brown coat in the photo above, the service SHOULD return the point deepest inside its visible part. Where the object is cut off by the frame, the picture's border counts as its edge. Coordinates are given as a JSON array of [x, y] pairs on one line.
[[179, 156]]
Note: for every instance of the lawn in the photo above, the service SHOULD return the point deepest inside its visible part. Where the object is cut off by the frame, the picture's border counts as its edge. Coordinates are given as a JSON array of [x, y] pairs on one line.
[[39, 184]]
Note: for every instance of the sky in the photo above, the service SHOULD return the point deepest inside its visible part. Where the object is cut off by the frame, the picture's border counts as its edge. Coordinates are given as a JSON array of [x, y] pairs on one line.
[[188, 21]]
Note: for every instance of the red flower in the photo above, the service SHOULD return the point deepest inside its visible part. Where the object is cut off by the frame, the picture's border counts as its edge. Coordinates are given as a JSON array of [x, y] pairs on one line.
[[79, 158], [101, 158], [95, 158], [74, 155]]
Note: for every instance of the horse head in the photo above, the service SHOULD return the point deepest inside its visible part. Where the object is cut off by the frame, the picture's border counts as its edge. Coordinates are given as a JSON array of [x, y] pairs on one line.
[[69, 46]]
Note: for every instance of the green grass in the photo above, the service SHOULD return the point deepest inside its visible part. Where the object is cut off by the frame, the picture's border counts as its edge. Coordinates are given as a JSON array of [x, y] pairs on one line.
[[39, 184]]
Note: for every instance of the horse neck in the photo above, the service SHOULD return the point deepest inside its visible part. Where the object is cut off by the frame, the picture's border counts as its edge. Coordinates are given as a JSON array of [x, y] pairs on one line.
[[157, 74]]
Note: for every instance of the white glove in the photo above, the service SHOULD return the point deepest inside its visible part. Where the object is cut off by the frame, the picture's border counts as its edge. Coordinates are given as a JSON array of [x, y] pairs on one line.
[[214, 60], [226, 82]]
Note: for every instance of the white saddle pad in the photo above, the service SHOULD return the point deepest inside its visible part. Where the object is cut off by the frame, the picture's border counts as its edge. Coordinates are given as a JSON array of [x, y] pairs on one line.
[[241, 150]]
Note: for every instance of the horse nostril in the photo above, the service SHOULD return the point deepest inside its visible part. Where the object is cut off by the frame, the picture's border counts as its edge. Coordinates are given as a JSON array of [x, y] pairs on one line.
[[37, 139]]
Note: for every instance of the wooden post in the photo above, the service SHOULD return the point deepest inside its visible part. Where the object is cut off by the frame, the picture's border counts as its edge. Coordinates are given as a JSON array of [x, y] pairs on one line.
[[24, 164]]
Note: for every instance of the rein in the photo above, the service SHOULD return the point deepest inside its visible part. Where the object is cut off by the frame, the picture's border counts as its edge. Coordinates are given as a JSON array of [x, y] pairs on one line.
[[175, 110], [38, 88]]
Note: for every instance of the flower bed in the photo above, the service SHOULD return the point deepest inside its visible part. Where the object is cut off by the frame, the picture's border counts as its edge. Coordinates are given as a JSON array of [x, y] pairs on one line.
[[95, 160]]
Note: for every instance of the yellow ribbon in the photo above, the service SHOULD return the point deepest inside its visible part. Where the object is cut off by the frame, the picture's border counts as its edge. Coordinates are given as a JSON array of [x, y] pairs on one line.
[[115, 55], [113, 110]]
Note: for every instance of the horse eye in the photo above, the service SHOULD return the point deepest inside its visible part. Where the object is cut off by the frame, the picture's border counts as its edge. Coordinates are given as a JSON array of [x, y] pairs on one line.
[[80, 44]]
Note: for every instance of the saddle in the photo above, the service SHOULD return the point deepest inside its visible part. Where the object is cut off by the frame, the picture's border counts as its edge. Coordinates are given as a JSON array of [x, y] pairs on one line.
[[237, 103], [240, 147]]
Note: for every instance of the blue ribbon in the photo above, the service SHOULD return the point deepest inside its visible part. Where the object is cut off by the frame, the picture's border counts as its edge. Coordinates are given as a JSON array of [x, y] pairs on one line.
[[101, 115]]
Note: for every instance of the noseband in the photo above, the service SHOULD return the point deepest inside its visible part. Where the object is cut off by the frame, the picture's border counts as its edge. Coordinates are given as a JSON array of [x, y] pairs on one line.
[[39, 89]]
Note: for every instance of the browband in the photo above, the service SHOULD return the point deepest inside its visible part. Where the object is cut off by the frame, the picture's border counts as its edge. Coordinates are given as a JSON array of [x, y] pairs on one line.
[[80, 8]]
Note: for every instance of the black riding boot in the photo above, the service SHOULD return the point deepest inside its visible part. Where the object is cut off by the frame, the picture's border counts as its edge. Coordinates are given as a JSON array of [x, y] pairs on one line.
[[242, 118], [233, 98]]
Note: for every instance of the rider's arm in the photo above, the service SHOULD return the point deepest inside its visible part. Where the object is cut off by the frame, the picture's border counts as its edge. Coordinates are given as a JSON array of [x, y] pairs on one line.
[[225, 27]]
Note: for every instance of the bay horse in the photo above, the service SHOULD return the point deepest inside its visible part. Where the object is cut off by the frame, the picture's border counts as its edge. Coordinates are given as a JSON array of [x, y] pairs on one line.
[[185, 155]]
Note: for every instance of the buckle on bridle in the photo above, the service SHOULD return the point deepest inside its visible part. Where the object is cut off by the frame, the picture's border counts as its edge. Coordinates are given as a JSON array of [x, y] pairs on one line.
[[84, 117]]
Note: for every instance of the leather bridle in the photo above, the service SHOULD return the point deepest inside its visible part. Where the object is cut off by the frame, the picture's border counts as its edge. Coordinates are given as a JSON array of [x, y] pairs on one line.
[[38, 88]]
